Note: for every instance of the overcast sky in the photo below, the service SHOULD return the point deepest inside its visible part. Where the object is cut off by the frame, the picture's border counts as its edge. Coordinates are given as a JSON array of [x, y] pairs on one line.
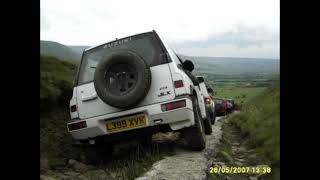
[[228, 28]]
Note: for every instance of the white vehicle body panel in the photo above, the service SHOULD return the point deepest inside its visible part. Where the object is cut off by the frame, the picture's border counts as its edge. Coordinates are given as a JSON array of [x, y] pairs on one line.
[[73, 101], [90, 105]]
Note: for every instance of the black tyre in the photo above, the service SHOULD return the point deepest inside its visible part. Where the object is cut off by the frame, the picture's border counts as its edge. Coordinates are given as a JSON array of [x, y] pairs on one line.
[[122, 79], [146, 140], [207, 124], [99, 153], [219, 114], [195, 135], [213, 118]]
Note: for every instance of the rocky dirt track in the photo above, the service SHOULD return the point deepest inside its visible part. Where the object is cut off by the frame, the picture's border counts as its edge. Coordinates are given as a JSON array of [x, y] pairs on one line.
[[186, 164]]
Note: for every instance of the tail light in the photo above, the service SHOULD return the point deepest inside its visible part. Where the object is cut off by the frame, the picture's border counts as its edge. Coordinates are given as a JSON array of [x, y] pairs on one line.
[[178, 84], [73, 108], [208, 100], [77, 125], [173, 105]]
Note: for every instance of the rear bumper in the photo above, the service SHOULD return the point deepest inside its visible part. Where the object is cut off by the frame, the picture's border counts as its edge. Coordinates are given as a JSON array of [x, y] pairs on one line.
[[176, 119]]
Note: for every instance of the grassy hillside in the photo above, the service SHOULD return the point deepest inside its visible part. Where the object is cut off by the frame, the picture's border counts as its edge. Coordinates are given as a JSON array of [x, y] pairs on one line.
[[260, 122], [216, 66], [228, 72], [59, 51], [234, 66], [241, 95], [56, 81], [78, 49]]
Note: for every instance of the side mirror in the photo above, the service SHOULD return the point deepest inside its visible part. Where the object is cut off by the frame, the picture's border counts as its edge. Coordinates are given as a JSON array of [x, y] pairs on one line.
[[188, 65], [211, 91]]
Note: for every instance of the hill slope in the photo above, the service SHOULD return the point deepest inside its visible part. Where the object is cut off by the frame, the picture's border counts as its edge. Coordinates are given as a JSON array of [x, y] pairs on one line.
[[78, 49], [60, 51], [203, 65], [56, 81], [231, 66], [260, 121]]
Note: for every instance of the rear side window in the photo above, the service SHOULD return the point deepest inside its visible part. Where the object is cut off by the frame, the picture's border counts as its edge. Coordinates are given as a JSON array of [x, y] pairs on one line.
[[218, 101], [174, 56], [146, 45]]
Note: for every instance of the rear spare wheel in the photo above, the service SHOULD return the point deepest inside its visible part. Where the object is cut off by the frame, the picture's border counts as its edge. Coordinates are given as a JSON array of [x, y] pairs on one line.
[[122, 79]]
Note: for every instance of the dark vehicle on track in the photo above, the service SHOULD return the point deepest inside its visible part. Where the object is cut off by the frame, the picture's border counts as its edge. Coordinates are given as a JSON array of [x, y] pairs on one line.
[[230, 105], [220, 106]]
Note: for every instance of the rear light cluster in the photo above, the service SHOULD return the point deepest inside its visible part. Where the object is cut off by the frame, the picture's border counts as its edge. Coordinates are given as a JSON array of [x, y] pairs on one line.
[[77, 125], [73, 108], [208, 100], [173, 105], [178, 84]]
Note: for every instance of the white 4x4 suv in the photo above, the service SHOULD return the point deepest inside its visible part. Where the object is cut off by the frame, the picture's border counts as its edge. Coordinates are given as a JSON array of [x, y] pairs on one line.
[[133, 87], [210, 106]]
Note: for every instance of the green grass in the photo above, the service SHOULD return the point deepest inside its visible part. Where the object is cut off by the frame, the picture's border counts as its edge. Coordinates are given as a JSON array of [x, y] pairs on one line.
[[260, 122], [241, 95], [56, 82], [139, 161], [55, 141], [212, 177]]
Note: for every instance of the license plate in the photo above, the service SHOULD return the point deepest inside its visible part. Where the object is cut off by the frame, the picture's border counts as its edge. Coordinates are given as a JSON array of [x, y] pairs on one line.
[[128, 123]]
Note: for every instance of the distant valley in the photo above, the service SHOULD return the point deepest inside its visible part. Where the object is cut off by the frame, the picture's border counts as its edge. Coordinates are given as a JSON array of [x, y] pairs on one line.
[[60, 51], [203, 65]]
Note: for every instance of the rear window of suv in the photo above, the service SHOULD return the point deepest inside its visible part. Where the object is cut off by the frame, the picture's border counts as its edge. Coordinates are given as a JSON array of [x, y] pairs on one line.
[[218, 101], [146, 45]]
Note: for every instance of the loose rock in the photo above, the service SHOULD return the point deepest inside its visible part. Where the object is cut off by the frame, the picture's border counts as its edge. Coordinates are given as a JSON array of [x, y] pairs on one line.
[[98, 174], [78, 166], [185, 164], [44, 177]]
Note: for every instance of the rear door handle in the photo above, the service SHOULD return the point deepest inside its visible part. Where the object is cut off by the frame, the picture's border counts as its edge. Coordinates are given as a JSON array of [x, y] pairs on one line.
[[89, 97]]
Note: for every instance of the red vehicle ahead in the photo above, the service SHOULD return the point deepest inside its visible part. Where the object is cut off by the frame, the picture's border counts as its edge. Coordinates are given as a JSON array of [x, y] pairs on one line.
[[230, 105], [220, 106]]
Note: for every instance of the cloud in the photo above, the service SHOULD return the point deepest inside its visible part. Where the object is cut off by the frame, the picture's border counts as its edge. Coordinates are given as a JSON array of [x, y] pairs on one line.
[[268, 51], [44, 22], [239, 41], [204, 23], [241, 36]]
